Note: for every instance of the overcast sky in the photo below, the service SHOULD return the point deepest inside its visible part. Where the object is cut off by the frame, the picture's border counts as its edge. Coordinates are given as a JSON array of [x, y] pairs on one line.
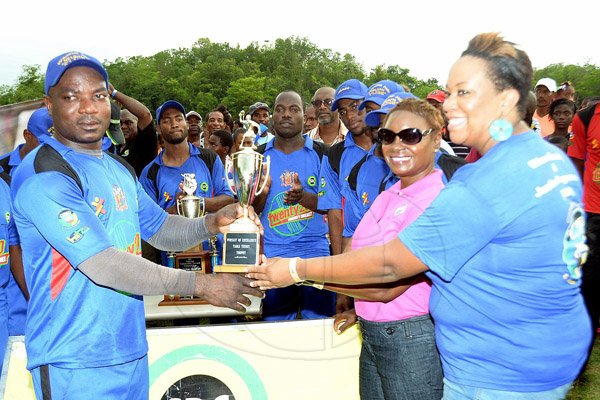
[[424, 36]]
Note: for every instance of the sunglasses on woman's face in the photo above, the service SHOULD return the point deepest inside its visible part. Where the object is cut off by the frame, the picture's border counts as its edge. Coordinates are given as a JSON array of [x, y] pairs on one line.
[[408, 136]]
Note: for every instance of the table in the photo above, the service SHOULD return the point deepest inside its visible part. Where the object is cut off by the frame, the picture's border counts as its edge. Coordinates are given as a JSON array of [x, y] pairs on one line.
[[154, 312]]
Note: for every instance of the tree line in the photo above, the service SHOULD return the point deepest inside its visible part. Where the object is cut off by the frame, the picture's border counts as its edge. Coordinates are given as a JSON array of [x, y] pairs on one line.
[[208, 74]]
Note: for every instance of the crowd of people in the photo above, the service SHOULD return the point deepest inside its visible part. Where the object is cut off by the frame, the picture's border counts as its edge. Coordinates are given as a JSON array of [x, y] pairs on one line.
[[451, 228]]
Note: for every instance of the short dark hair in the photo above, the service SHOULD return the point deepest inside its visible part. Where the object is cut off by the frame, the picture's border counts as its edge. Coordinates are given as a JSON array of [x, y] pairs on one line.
[[560, 102], [224, 136]]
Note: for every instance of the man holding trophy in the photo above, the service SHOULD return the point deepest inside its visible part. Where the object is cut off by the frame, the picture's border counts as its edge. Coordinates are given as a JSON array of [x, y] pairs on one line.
[[81, 216], [186, 180], [288, 203]]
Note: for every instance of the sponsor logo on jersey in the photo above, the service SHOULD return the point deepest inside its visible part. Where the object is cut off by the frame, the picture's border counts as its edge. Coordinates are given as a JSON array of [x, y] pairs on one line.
[[78, 234], [120, 199], [3, 254], [68, 218], [98, 204]]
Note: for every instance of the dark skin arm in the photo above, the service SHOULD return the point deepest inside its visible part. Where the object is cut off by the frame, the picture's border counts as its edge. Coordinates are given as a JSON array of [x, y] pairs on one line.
[[260, 200], [579, 165], [16, 267], [142, 113], [336, 227]]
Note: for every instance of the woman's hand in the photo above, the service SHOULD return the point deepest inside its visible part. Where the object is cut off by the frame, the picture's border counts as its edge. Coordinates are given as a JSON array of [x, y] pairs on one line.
[[271, 273]]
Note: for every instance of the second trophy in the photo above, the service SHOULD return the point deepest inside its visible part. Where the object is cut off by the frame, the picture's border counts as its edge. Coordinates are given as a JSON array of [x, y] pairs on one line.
[[241, 245]]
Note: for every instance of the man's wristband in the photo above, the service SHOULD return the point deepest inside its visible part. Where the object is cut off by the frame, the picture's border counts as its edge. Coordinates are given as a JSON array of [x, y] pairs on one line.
[[293, 271], [114, 93]]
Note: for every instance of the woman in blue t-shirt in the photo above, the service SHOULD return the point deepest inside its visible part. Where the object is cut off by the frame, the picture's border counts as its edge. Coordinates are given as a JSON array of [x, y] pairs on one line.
[[502, 244]]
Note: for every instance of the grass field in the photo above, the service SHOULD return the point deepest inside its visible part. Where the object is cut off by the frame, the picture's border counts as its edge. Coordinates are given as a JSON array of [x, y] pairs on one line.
[[588, 386]]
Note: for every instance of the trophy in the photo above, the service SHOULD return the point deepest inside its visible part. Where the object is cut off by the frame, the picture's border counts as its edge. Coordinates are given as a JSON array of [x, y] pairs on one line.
[[194, 259], [241, 244]]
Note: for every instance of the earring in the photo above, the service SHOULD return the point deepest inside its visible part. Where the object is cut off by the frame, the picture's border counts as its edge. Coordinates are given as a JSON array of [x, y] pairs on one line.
[[500, 130]]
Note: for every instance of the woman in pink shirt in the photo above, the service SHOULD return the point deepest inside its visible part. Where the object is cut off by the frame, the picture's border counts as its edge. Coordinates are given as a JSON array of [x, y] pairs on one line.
[[399, 358]]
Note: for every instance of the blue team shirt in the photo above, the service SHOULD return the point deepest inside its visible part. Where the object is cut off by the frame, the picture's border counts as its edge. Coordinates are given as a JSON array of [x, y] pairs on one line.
[[293, 230], [72, 322], [210, 183], [368, 180], [501, 242], [332, 183], [14, 158], [8, 233]]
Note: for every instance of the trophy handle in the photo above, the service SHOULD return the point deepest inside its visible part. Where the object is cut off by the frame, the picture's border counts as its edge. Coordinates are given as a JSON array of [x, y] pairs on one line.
[[228, 171], [178, 203], [266, 165]]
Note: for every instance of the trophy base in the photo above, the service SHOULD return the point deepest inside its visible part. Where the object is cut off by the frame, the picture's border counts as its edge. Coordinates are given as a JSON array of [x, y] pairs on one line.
[[194, 260], [232, 269]]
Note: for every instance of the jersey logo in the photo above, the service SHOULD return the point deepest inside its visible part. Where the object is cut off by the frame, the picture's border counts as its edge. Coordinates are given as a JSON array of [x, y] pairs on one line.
[[68, 218], [3, 254], [98, 204], [7, 217], [323, 182], [78, 234], [287, 178], [167, 196], [204, 186], [312, 181], [120, 199], [365, 198]]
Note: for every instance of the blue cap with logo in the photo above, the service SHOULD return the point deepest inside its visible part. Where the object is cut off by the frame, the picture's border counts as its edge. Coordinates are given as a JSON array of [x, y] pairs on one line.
[[372, 118], [351, 89], [40, 124], [60, 64], [379, 91], [168, 104]]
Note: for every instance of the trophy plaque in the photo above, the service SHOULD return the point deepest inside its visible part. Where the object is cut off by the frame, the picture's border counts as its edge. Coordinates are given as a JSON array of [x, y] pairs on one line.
[[241, 245], [194, 259]]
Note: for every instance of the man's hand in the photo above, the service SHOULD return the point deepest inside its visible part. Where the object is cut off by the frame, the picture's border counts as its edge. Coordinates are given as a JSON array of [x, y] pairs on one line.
[[219, 222], [344, 320], [271, 274], [295, 193], [343, 303], [226, 290]]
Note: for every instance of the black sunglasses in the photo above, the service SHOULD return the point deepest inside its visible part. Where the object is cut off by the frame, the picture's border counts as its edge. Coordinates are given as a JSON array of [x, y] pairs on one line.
[[408, 136], [318, 103]]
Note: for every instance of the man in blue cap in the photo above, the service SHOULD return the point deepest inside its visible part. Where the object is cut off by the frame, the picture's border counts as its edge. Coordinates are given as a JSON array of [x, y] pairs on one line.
[[161, 178], [39, 130], [81, 216]]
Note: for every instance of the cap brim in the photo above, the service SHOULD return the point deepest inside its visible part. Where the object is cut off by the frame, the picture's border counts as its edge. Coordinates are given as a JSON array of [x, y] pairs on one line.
[[372, 118], [334, 105]]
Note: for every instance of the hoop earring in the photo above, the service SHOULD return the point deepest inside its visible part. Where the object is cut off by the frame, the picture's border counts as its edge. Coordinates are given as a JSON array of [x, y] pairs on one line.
[[500, 130]]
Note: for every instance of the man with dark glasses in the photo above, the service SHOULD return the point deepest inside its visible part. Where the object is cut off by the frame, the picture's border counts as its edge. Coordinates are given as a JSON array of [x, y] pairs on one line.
[[330, 129]]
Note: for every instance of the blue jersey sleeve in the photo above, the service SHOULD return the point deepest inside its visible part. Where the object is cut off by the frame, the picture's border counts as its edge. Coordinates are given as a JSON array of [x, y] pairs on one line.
[[147, 184], [456, 225], [151, 215], [218, 179], [53, 203], [331, 197]]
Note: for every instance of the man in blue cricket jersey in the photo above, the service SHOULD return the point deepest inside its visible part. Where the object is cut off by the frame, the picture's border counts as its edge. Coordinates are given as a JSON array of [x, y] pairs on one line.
[[288, 204], [81, 216]]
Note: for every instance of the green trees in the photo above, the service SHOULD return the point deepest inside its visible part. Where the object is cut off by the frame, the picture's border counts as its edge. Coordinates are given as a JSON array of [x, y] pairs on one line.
[[210, 73]]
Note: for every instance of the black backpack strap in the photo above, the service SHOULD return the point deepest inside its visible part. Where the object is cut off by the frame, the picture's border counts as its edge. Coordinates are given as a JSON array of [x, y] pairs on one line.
[[450, 164], [125, 163], [4, 164], [320, 148], [5, 177], [382, 185], [586, 115], [153, 175], [353, 177], [48, 159], [335, 156], [209, 157], [262, 148]]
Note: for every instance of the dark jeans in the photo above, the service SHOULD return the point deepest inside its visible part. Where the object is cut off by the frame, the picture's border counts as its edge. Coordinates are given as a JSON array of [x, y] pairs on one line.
[[399, 360], [590, 281]]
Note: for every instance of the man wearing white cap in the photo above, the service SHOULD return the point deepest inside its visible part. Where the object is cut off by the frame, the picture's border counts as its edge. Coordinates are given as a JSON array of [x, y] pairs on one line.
[[545, 90], [194, 121]]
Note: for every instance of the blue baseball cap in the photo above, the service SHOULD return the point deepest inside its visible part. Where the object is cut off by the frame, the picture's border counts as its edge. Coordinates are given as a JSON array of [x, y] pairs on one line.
[[379, 91], [372, 118], [351, 89], [40, 124], [168, 104], [60, 64]]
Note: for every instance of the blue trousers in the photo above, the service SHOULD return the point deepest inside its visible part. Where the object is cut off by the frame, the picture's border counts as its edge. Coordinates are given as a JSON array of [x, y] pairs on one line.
[[399, 360]]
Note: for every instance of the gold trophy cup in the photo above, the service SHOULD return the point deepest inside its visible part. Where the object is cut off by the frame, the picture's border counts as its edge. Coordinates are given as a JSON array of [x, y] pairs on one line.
[[241, 245], [194, 259]]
